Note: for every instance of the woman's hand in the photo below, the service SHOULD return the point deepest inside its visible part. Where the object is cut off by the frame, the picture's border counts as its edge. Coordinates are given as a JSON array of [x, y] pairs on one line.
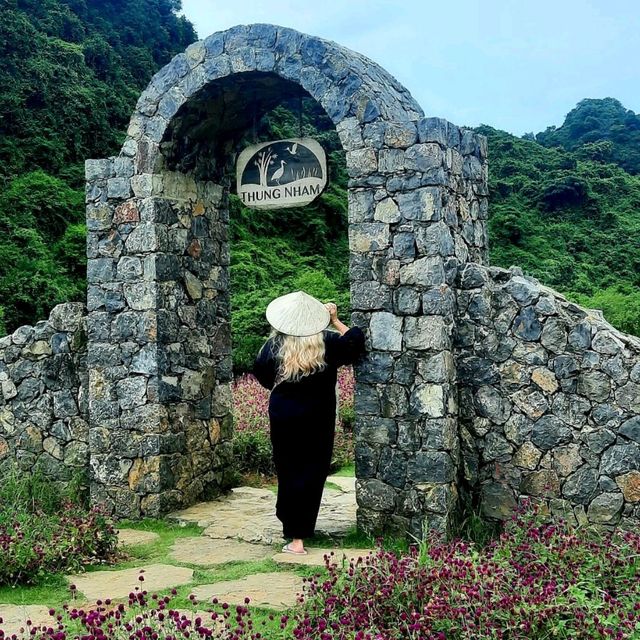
[[333, 311]]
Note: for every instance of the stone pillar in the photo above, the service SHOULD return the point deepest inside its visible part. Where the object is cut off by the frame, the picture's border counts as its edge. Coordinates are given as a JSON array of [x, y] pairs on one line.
[[416, 204], [157, 290]]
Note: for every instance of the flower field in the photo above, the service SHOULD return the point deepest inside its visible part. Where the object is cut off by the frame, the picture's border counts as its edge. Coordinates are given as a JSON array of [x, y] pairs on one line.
[[539, 580]]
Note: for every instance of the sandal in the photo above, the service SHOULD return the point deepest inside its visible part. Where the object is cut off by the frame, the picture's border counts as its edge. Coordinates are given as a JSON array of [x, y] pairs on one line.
[[288, 549]]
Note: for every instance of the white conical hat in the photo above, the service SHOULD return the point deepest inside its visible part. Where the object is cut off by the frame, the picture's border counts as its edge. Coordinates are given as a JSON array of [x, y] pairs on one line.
[[298, 314]]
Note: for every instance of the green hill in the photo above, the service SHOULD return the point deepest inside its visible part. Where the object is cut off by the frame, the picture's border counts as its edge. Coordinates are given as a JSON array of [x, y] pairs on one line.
[[71, 72], [565, 204], [599, 129], [570, 220]]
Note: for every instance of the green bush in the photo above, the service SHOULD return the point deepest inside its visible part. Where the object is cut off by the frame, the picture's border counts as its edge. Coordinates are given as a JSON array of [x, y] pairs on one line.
[[45, 528]]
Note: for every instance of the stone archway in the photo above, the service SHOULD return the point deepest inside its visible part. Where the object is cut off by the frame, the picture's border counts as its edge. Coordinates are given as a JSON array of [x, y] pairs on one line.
[[159, 352]]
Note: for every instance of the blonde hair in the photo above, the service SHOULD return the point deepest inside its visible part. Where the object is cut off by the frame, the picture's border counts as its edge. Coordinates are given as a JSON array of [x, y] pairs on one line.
[[299, 356]]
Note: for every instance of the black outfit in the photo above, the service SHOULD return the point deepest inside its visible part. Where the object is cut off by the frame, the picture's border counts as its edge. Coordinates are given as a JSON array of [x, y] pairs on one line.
[[303, 416]]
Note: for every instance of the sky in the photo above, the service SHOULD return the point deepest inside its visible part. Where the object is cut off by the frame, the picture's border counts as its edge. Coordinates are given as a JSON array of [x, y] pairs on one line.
[[517, 65]]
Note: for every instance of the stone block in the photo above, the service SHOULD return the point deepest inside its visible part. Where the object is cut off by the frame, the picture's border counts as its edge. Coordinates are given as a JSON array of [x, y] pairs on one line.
[[386, 331], [426, 333]]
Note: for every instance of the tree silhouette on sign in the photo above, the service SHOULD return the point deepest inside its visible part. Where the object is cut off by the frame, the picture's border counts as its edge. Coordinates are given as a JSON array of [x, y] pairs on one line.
[[265, 160]]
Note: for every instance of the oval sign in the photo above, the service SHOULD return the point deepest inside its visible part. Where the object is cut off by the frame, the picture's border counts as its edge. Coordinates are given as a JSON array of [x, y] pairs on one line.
[[283, 173]]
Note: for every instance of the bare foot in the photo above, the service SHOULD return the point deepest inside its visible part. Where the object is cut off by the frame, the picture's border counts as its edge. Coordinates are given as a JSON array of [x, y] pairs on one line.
[[297, 545]]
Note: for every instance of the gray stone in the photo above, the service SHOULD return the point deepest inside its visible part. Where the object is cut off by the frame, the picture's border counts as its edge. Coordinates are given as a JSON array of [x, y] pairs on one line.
[[571, 409], [554, 335], [426, 333], [404, 245], [628, 397], [619, 459], [439, 301], [427, 272], [370, 296], [606, 508], [64, 404], [375, 367], [406, 301], [434, 240], [526, 325], [496, 448], [369, 236], [421, 204], [581, 485], [580, 336], [523, 291], [392, 468], [375, 494], [607, 343], [518, 428], [428, 400], [594, 385], [498, 500], [473, 276], [549, 432], [431, 466], [631, 429], [386, 331], [491, 404], [565, 366]]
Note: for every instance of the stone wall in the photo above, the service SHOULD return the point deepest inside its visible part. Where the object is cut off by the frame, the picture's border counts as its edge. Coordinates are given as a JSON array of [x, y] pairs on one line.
[[549, 401], [408, 238], [43, 404], [158, 258], [159, 352]]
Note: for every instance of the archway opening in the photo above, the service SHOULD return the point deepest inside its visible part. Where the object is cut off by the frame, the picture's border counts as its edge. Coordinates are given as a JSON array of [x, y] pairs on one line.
[[237, 259]]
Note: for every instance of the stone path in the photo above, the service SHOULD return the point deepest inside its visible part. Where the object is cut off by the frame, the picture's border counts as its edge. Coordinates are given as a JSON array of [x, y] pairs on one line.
[[120, 583], [132, 537], [206, 552], [15, 616], [240, 527], [248, 514], [277, 590]]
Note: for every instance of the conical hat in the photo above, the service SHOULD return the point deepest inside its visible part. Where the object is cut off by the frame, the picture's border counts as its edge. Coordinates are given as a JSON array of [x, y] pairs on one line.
[[298, 314]]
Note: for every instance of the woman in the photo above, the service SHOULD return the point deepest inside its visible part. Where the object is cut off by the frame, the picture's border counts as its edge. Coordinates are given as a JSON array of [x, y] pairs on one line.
[[299, 363]]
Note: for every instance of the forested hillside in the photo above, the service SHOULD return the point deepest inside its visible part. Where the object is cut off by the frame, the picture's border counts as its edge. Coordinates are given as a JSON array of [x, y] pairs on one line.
[[570, 218], [565, 204], [603, 129], [70, 74]]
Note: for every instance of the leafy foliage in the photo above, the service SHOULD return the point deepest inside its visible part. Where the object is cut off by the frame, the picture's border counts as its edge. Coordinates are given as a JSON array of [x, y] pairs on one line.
[[45, 530], [71, 71], [572, 222], [601, 130]]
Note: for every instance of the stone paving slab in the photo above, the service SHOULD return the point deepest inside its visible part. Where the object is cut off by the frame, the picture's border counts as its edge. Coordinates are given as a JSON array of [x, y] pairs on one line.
[[131, 537], [119, 584], [205, 552], [315, 556], [276, 590], [346, 483], [248, 514], [15, 616]]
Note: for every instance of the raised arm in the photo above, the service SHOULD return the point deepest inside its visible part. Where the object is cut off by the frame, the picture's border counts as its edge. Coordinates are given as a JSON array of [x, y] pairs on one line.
[[265, 367], [345, 346]]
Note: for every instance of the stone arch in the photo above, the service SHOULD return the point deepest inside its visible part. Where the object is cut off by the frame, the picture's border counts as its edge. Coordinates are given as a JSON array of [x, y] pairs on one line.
[[159, 340]]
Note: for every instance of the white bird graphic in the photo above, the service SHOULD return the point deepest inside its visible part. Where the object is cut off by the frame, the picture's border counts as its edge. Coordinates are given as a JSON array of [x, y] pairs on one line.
[[278, 173], [293, 149]]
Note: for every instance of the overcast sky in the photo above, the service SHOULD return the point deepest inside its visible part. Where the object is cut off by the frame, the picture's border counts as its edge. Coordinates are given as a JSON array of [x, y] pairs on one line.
[[518, 65]]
